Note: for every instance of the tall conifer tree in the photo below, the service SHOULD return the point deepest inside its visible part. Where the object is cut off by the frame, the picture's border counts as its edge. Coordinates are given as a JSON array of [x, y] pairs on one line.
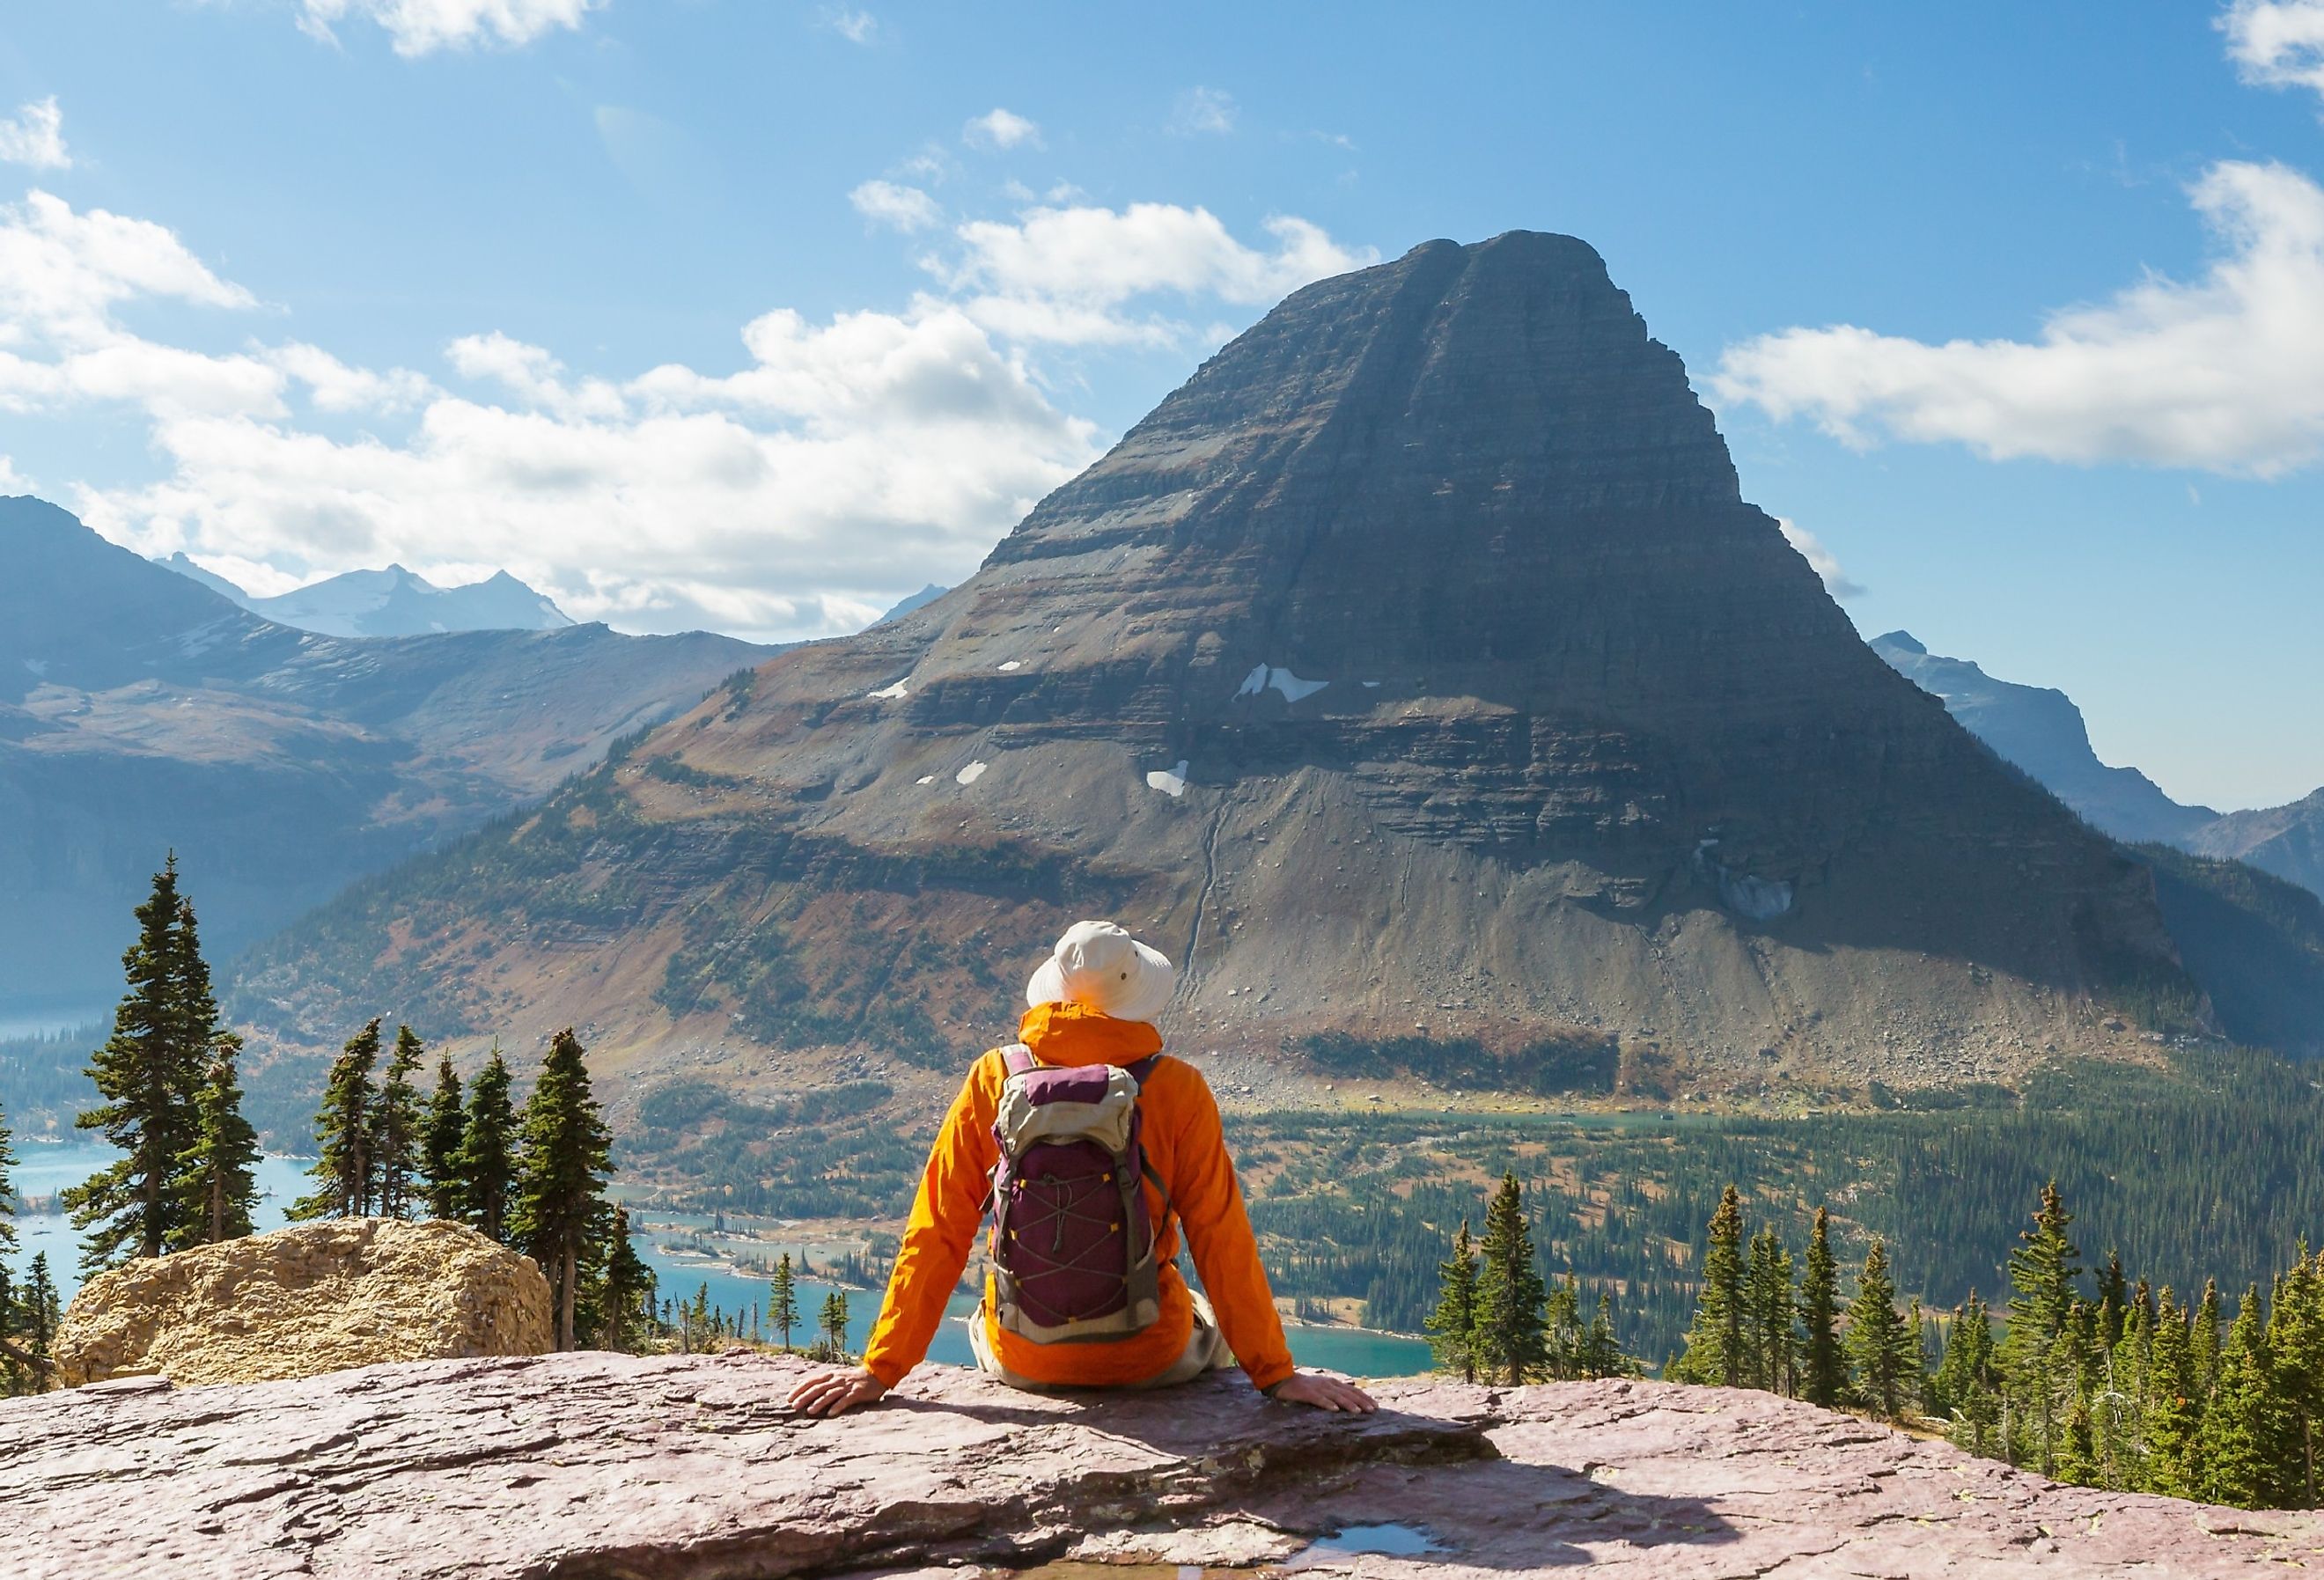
[[1965, 1385], [625, 1295], [2042, 1274], [1452, 1326], [2174, 1416], [2241, 1433], [1770, 1312], [395, 1129], [1884, 1352], [218, 1173], [439, 1143], [1823, 1369], [782, 1300], [345, 1183], [145, 1073], [1510, 1338], [558, 1213], [487, 1157], [1714, 1344]]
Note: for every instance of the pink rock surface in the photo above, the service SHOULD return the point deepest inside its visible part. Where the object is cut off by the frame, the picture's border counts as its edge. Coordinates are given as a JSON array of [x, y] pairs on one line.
[[595, 1464]]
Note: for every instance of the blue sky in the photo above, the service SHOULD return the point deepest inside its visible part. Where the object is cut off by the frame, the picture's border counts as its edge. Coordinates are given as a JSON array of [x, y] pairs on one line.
[[757, 315]]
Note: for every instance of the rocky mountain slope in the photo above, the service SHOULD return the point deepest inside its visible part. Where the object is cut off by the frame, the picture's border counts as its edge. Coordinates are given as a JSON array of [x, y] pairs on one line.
[[689, 1466], [394, 602], [2287, 841], [1414, 669], [2039, 729], [141, 711]]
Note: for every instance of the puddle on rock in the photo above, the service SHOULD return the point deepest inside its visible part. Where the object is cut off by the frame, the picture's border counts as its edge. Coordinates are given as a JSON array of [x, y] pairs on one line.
[[1393, 1541], [1355, 1541]]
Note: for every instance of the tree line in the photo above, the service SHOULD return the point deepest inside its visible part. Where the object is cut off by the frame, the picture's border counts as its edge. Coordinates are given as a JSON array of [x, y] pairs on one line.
[[2125, 1387], [170, 1104], [1498, 1319]]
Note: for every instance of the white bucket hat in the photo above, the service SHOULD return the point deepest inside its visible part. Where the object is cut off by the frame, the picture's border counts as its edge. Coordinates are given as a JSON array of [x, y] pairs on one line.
[[1100, 964]]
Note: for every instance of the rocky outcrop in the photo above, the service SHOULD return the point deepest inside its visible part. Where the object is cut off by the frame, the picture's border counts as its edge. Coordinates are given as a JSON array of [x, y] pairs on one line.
[[2287, 841], [1415, 670], [659, 1469], [299, 1301]]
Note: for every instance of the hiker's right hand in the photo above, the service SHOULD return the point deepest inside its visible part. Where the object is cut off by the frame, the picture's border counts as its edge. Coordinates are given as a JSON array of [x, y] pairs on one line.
[[833, 1392]]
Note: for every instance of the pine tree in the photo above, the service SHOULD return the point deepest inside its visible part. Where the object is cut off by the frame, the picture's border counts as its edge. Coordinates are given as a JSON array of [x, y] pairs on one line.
[[1509, 1333], [2113, 1300], [2296, 1347], [1769, 1311], [625, 1295], [2203, 1340], [1823, 1371], [558, 1213], [782, 1300], [439, 1145], [1601, 1348], [8, 1201], [18, 1372], [486, 1162], [835, 1324], [395, 1129], [1965, 1383], [1883, 1352], [344, 1184], [218, 1173], [1714, 1344], [1451, 1328], [2042, 1274], [2238, 1433], [145, 1073], [2174, 1415], [42, 1313]]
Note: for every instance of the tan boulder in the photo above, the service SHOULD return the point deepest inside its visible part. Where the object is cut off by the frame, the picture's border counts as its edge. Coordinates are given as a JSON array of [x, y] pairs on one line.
[[310, 1298]]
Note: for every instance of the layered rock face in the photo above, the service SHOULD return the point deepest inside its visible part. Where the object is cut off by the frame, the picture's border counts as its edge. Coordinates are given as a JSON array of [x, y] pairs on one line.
[[312, 1299], [1415, 670], [681, 1467]]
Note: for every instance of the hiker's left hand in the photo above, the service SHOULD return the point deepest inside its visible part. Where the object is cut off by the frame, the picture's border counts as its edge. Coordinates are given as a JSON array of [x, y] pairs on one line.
[[1325, 1393], [833, 1392]]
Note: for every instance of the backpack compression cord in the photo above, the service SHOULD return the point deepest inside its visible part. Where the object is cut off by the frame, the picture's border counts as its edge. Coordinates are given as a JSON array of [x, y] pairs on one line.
[[1072, 1244]]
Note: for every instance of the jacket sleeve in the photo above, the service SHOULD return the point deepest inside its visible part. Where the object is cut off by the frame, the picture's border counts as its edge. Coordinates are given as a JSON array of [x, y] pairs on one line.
[[937, 1240], [1210, 1207]]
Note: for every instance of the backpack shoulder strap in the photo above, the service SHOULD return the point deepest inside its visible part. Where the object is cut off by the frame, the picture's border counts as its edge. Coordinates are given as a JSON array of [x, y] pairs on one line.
[[1017, 1058], [1143, 1070]]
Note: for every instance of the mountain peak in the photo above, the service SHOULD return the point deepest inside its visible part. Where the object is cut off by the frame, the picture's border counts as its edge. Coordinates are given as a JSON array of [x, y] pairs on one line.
[[1902, 641]]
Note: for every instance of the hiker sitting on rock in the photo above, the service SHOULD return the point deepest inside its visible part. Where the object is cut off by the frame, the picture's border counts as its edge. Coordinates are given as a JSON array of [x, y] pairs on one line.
[[1088, 1147]]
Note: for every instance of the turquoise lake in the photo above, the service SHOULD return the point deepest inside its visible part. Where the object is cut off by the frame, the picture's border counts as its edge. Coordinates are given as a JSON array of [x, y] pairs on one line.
[[44, 1169]]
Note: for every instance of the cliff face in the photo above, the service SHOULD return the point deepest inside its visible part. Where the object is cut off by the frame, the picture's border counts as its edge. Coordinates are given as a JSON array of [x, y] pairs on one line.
[[1417, 669], [679, 1467]]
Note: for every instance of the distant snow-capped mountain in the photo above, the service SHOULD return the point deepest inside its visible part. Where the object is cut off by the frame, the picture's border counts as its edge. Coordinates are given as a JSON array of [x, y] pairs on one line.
[[394, 602]]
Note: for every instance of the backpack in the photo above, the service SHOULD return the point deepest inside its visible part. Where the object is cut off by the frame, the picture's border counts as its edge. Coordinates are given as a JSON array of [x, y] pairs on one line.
[[1073, 1247]]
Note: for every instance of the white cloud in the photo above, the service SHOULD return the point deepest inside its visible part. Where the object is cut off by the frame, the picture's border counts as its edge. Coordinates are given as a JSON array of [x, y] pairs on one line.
[[11, 481], [842, 465], [998, 128], [419, 27], [35, 135], [857, 27], [2277, 43], [901, 207], [1820, 559], [1203, 110], [2224, 372], [1064, 274]]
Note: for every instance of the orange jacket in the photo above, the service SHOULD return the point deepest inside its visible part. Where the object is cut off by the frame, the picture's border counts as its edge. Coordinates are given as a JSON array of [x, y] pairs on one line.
[[1187, 1148]]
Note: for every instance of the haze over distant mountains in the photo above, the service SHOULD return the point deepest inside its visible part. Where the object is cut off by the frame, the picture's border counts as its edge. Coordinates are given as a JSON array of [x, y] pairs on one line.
[[394, 602], [141, 711], [2041, 731], [1415, 672]]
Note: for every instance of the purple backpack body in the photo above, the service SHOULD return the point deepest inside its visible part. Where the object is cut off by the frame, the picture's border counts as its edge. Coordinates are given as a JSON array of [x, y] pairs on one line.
[[1073, 1245]]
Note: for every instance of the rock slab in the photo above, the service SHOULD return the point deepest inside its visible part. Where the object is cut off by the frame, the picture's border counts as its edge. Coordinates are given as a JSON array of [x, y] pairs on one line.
[[658, 1468], [312, 1299]]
